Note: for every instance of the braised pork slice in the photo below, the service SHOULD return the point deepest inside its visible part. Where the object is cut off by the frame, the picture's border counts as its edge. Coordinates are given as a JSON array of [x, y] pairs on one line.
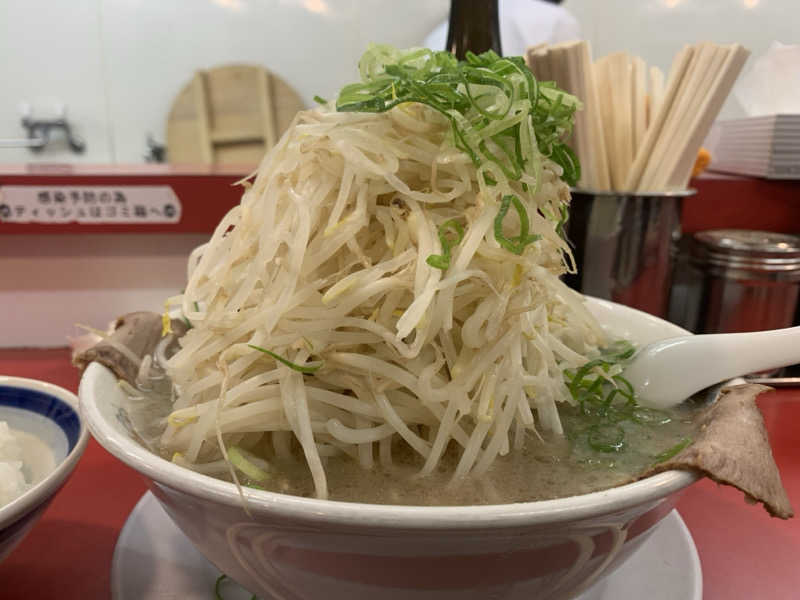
[[135, 335], [731, 447]]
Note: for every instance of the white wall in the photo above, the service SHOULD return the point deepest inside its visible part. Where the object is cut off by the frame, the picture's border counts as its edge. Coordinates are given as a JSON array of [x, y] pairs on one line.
[[117, 64], [51, 52]]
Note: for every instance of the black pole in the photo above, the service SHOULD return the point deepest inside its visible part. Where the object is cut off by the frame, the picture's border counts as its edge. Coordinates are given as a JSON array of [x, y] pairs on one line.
[[474, 26]]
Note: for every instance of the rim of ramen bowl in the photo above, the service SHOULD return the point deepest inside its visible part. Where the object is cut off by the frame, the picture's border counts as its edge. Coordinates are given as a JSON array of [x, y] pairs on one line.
[[129, 451], [28, 501]]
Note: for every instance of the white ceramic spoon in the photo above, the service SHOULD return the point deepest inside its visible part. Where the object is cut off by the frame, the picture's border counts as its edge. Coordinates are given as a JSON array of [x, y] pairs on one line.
[[666, 373]]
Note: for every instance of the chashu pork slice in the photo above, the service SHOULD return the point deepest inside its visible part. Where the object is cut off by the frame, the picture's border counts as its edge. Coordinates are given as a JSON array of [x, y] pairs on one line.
[[134, 335], [731, 447]]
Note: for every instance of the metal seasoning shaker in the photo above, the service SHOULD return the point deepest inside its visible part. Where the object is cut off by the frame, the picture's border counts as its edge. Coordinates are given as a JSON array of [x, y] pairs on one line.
[[749, 280]]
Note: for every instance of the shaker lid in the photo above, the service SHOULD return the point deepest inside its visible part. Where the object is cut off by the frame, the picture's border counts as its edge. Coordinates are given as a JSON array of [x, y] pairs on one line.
[[763, 251], [753, 243]]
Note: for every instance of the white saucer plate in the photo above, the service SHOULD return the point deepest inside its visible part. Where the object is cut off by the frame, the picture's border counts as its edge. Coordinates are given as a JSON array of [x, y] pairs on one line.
[[153, 560]]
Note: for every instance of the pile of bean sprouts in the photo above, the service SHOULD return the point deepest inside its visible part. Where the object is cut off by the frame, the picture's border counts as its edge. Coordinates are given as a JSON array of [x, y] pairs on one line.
[[327, 322]]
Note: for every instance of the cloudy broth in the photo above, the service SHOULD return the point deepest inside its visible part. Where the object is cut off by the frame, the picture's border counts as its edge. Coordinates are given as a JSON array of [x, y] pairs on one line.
[[542, 469]]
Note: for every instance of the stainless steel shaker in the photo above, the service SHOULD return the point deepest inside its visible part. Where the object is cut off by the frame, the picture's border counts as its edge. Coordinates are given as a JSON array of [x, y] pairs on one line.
[[740, 280]]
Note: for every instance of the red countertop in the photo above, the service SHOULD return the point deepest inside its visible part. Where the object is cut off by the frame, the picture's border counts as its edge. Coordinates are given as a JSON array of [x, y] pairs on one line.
[[745, 554]]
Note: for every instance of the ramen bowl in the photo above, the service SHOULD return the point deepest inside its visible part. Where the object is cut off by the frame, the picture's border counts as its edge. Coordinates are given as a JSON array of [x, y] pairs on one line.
[[53, 437], [293, 548]]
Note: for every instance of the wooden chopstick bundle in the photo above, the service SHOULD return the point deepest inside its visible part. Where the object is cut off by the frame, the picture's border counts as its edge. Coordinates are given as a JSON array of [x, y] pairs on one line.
[[698, 127], [640, 163], [570, 65], [638, 132]]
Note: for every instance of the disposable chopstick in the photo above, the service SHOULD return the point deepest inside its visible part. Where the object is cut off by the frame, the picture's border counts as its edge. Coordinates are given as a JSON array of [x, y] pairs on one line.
[[701, 124], [674, 109], [582, 135], [606, 109], [656, 92], [626, 129], [538, 62], [676, 75], [639, 103], [697, 70], [619, 83], [597, 146], [708, 61]]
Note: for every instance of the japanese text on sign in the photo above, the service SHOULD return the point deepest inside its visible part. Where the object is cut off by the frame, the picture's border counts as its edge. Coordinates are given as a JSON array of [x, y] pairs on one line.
[[145, 204]]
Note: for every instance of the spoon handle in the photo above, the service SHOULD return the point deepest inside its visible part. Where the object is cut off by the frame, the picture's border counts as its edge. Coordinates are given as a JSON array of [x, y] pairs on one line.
[[668, 372]]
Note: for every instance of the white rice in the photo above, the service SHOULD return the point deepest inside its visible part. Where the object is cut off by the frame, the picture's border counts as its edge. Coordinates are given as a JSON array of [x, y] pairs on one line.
[[12, 479]]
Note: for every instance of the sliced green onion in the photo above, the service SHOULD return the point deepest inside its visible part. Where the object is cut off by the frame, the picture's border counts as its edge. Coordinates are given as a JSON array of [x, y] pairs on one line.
[[463, 91], [240, 459], [442, 261], [669, 453], [218, 588], [618, 351], [608, 401], [307, 368], [577, 379], [320, 100], [605, 437], [566, 158], [186, 319], [650, 416], [217, 585], [562, 222], [518, 243], [624, 386]]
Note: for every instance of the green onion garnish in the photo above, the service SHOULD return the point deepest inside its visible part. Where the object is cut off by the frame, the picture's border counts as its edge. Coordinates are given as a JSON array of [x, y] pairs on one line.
[[320, 100], [608, 400], [562, 223], [218, 588], [241, 460], [618, 351], [667, 454], [186, 319], [516, 244], [217, 591], [650, 416], [606, 437], [529, 119], [442, 261], [308, 368]]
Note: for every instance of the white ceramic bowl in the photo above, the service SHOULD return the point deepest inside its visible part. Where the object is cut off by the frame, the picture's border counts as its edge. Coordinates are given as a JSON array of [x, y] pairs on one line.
[[50, 415], [293, 548]]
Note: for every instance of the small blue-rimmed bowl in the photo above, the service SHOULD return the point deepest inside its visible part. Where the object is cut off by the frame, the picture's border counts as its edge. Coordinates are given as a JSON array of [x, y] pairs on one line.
[[53, 438]]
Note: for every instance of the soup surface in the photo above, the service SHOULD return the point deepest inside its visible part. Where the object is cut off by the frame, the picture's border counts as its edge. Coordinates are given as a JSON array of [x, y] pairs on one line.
[[542, 469]]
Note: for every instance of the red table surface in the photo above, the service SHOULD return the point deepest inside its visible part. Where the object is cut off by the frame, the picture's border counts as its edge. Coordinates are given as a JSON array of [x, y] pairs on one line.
[[744, 553]]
